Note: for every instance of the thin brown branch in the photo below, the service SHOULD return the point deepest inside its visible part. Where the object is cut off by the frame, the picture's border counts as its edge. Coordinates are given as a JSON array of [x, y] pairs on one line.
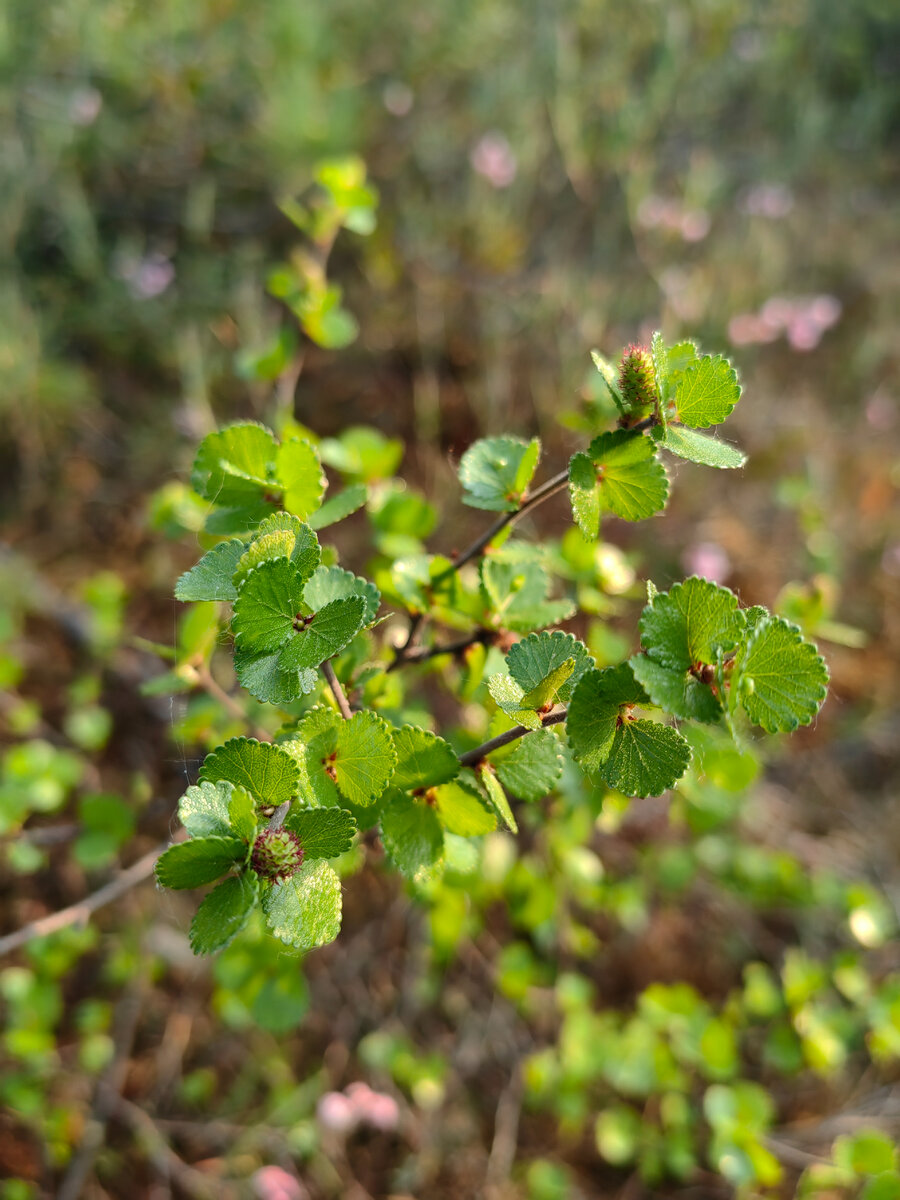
[[472, 757], [420, 654], [228, 702], [82, 910], [337, 691], [106, 1095], [550, 488]]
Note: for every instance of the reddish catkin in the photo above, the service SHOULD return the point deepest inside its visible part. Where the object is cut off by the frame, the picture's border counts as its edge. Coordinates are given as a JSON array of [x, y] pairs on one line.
[[277, 855], [637, 380]]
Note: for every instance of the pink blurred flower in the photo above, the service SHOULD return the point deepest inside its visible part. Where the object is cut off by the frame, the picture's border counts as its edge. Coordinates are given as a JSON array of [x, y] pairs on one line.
[[707, 559], [494, 159], [336, 1112], [695, 224], [146, 277], [374, 1108], [748, 329], [772, 200], [84, 106], [274, 1183]]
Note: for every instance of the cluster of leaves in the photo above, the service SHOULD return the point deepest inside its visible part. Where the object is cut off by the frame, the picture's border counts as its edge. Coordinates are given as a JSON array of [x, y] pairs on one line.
[[296, 616]]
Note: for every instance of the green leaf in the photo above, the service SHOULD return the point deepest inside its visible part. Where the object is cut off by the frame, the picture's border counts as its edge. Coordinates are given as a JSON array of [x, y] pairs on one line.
[[364, 758], [263, 677], [678, 692], [210, 579], [610, 377], [516, 594], [198, 861], [411, 834], [280, 536], [698, 447], [340, 506], [497, 796], [645, 758], [326, 632], [423, 759], [495, 472], [305, 910], [690, 624], [533, 769], [509, 697], [660, 355], [267, 606], [234, 465], [706, 391], [242, 815], [601, 701], [300, 474], [264, 770], [311, 747], [621, 474], [461, 810], [534, 659], [224, 913], [203, 809], [783, 679], [334, 583], [323, 832], [681, 355], [363, 453]]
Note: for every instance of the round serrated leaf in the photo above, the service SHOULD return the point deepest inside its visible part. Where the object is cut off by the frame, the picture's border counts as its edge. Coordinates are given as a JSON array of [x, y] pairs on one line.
[[334, 583], [267, 605], [461, 810], [200, 860], [783, 679], [411, 833], [508, 696], [423, 759], [305, 910], [645, 758], [210, 579], [495, 472], [326, 632], [263, 678], [626, 478], [203, 809], [323, 832], [300, 474], [535, 657], [677, 692], [533, 769], [234, 464], [706, 391], [595, 710], [690, 623], [264, 770], [224, 913], [364, 758]]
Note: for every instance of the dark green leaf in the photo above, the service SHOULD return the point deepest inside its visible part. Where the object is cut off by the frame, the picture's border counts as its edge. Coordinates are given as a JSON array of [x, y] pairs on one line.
[[198, 861], [411, 833], [210, 579], [323, 832], [224, 913], [264, 770]]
